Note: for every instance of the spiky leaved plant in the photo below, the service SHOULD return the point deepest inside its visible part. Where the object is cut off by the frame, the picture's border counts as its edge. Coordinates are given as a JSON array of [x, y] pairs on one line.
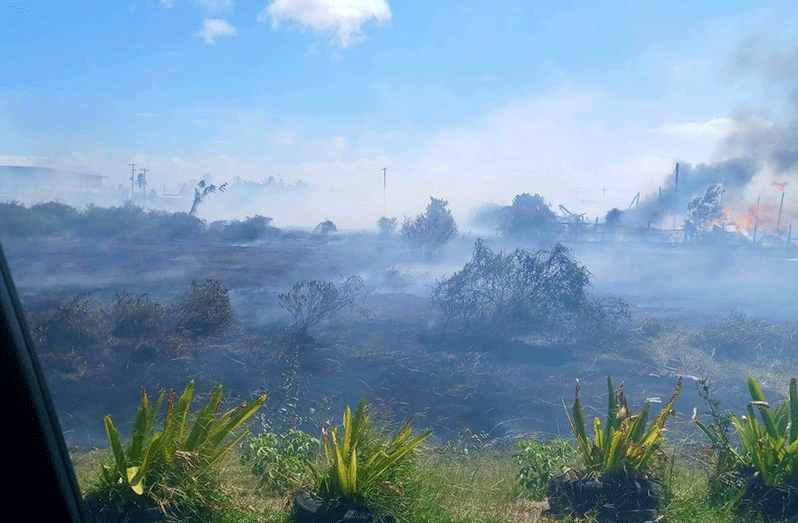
[[350, 471], [623, 444]]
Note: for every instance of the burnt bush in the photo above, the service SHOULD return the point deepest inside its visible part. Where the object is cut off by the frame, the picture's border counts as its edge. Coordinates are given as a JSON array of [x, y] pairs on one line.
[[544, 293], [204, 310], [309, 302], [136, 316], [76, 323]]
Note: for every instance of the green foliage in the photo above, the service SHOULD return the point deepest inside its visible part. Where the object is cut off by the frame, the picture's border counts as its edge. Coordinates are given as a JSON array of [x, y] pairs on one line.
[[724, 479], [154, 465], [540, 462], [352, 467], [772, 445], [623, 444], [136, 316], [279, 460], [309, 302], [430, 231], [204, 310], [518, 292]]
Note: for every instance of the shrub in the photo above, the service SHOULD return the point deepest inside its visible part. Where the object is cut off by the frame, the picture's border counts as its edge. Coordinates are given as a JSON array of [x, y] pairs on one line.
[[250, 229], [430, 231], [172, 226], [171, 466], [527, 216], [522, 291], [352, 467], [386, 226], [309, 302], [76, 323], [623, 445], [326, 227], [606, 322], [204, 310], [279, 460], [136, 316], [540, 462]]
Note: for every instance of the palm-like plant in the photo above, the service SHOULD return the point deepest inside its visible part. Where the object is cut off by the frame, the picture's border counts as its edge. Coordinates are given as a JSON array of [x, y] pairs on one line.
[[351, 469], [178, 446], [623, 444]]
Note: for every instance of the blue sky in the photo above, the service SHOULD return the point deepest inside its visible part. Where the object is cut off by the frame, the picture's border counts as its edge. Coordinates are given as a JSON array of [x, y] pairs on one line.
[[468, 100]]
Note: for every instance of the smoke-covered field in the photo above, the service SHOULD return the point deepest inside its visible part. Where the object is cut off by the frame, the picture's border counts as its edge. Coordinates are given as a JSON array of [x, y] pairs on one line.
[[697, 312]]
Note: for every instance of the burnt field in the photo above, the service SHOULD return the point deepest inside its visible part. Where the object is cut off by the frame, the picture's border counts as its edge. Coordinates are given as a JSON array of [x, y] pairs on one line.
[[695, 313]]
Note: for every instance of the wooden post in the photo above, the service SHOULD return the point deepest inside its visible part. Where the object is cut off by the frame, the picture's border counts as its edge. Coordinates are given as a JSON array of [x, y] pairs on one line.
[[781, 205]]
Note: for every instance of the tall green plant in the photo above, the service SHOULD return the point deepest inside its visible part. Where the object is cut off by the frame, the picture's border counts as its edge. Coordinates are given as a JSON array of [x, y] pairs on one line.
[[772, 445], [352, 468], [178, 446], [623, 444]]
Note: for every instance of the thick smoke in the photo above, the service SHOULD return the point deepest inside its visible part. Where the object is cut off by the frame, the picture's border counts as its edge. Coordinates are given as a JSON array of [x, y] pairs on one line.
[[756, 142]]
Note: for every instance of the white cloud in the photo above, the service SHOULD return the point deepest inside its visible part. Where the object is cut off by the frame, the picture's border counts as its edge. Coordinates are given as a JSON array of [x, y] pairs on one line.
[[212, 28], [344, 19], [200, 122], [167, 3], [716, 127], [338, 142], [178, 162], [284, 140], [214, 6], [147, 115]]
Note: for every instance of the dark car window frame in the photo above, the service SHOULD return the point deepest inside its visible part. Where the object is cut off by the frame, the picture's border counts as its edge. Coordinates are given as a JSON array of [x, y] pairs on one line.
[[42, 470]]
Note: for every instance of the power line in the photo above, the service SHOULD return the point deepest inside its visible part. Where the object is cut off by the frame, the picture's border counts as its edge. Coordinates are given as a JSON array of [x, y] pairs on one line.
[[132, 177]]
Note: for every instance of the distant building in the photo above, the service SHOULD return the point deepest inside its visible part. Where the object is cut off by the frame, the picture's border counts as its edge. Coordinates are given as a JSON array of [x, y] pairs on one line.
[[27, 180]]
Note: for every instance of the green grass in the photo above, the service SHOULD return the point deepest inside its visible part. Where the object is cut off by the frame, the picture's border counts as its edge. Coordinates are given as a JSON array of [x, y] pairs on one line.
[[447, 487]]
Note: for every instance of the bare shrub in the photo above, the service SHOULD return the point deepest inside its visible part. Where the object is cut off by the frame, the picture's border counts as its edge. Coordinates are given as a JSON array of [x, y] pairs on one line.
[[309, 302], [136, 316], [204, 310]]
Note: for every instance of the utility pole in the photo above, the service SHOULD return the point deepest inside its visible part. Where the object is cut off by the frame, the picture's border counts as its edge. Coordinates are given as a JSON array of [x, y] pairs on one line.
[[132, 178], [781, 206], [384, 191], [604, 192]]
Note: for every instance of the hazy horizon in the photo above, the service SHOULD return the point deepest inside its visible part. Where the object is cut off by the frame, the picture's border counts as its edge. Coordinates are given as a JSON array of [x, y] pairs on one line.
[[472, 103]]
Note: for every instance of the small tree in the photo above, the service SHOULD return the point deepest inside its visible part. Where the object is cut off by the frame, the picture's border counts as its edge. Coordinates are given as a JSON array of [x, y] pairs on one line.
[[326, 227], [704, 211], [201, 191], [431, 230], [613, 218], [387, 226], [529, 214], [309, 302]]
